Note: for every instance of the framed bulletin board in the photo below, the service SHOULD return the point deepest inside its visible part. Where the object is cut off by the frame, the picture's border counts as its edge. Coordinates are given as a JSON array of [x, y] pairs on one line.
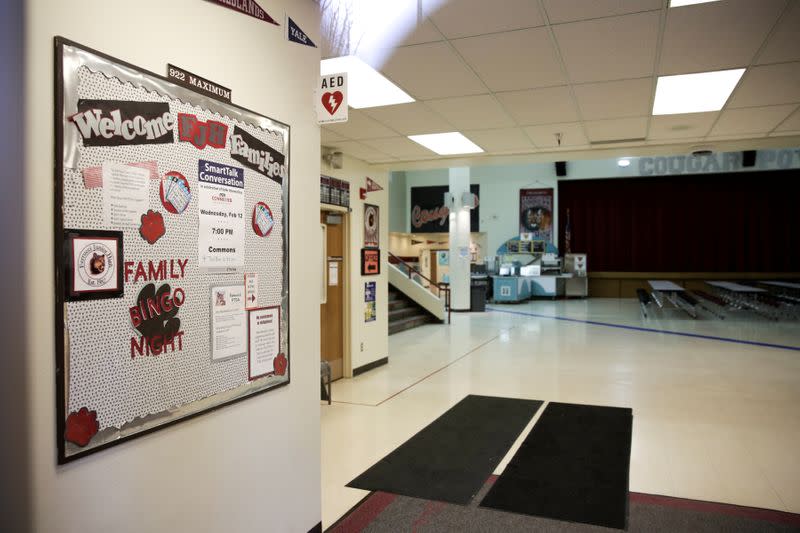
[[166, 202]]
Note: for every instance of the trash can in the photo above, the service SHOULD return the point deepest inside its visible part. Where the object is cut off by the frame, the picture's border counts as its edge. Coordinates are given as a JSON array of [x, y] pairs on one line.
[[477, 295]]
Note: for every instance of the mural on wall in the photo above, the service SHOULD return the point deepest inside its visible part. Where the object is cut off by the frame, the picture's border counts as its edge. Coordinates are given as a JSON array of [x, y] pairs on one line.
[[536, 214], [430, 215]]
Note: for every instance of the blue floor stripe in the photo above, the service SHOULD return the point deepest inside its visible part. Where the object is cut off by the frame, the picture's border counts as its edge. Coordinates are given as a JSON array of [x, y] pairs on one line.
[[651, 330]]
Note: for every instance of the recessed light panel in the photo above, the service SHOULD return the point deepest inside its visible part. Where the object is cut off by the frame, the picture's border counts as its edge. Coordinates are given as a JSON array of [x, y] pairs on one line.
[[366, 87], [695, 93], [447, 143], [679, 3]]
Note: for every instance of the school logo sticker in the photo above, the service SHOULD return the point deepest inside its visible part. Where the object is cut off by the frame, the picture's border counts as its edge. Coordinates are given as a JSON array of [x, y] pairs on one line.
[[122, 122], [96, 265]]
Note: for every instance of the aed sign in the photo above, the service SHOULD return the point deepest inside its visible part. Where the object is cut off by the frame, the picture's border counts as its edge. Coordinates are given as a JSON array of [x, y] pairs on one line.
[[332, 98]]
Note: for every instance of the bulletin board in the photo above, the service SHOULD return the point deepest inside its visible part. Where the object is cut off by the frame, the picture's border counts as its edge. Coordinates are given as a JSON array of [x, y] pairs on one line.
[[171, 252]]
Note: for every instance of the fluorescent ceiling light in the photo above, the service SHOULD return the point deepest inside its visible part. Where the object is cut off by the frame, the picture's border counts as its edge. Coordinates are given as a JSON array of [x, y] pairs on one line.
[[695, 93], [624, 162], [447, 143], [679, 3], [366, 87]]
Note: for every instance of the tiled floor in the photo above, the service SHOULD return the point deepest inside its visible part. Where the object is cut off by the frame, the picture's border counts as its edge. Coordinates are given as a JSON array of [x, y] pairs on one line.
[[713, 420]]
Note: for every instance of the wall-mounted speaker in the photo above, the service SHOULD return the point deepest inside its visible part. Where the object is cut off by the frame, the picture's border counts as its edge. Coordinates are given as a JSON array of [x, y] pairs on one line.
[[749, 158], [561, 168]]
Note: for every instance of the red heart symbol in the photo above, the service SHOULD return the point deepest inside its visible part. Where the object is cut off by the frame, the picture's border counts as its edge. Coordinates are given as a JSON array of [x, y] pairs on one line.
[[332, 101]]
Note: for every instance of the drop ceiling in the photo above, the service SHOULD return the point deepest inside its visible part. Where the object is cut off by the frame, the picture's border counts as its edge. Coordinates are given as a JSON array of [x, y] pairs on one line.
[[511, 74]]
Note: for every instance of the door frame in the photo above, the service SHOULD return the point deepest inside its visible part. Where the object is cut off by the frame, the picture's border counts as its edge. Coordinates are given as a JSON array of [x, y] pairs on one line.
[[347, 256]]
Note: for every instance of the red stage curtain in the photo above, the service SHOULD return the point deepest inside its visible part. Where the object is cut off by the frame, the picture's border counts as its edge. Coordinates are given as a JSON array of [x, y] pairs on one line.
[[742, 222]]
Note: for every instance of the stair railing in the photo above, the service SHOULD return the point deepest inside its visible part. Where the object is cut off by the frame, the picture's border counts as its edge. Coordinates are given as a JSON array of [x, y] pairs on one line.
[[441, 287]]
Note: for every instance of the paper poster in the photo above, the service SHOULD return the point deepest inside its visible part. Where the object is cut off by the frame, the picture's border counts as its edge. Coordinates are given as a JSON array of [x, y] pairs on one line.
[[536, 214], [126, 194], [251, 290], [371, 226], [370, 310], [228, 322], [264, 328], [221, 203], [333, 273]]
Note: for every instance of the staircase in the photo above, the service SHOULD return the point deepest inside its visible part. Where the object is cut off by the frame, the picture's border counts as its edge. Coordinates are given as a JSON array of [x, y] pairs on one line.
[[404, 313]]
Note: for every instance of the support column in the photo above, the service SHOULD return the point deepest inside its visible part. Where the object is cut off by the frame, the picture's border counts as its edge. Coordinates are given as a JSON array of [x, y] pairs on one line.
[[459, 241]]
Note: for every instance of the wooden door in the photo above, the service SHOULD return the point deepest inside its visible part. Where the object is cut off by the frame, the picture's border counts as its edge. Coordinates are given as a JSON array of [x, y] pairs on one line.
[[332, 311], [434, 266]]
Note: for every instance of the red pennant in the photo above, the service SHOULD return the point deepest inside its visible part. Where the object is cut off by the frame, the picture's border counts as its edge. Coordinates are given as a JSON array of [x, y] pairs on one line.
[[372, 186], [248, 7]]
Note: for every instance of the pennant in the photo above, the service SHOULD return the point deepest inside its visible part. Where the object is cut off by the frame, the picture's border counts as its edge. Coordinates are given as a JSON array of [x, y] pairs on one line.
[[296, 35], [372, 186], [248, 7], [413, 242]]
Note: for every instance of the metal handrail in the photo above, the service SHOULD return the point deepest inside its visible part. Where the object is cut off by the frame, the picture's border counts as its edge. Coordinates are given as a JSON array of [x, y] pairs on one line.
[[440, 286]]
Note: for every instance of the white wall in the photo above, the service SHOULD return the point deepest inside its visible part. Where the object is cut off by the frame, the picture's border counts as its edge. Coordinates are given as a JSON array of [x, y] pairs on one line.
[[369, 340], [252, 466]]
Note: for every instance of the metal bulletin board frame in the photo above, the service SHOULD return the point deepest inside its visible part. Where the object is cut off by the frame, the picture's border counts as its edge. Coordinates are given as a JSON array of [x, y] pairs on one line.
[[147, 390]]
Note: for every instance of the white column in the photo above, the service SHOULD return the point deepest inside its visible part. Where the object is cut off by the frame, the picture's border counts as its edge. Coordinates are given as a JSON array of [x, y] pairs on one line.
[[459, 240]]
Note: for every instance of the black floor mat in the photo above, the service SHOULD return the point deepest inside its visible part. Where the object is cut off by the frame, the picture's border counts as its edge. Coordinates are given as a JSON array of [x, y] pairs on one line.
[[450, 459], [573, 466]]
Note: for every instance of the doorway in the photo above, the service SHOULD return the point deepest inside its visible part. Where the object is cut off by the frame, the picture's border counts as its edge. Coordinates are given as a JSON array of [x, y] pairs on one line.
[[334, 325]]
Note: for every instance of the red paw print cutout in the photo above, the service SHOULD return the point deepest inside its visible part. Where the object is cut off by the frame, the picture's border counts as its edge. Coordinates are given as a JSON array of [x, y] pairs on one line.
[[82, 425], [280, 364], [152, 227]]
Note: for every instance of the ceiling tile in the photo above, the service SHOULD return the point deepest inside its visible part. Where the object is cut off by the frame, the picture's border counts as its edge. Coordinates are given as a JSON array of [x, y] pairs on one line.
[[751, 119], [545, 136], [500, 140], [361, 151], [768, 85], [716, 35], [409, 119], [609, 49], [560, 11], [612, 99], [540, 106], [616, 129], [422, 33], [472, 112], [327, 136], [513, 60], [791, 124], [462, 18], [400, 147], [360, 126], [784, 44], [431, 70], [682, 126]]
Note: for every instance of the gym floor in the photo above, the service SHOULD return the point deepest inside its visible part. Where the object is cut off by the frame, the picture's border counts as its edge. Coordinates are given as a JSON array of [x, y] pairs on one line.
[[714, 401]]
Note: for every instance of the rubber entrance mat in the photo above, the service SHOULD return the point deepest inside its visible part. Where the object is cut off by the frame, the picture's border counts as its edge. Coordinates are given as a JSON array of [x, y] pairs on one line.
[[450, 459], [573, 466]]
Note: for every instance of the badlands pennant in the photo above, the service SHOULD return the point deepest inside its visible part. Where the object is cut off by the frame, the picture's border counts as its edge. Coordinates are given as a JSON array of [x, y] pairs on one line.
[[248, 7]]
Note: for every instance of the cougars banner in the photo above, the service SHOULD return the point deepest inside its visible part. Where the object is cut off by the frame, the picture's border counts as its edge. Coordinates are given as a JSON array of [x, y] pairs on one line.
[[536, 213], [429, 214]]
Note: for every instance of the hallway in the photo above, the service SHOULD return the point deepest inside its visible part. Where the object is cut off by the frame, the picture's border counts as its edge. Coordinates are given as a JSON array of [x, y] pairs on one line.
[[713, 419]]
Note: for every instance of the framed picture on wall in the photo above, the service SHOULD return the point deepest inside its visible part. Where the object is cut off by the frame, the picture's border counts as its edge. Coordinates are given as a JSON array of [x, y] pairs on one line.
[[370, 261], [371, 226]]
